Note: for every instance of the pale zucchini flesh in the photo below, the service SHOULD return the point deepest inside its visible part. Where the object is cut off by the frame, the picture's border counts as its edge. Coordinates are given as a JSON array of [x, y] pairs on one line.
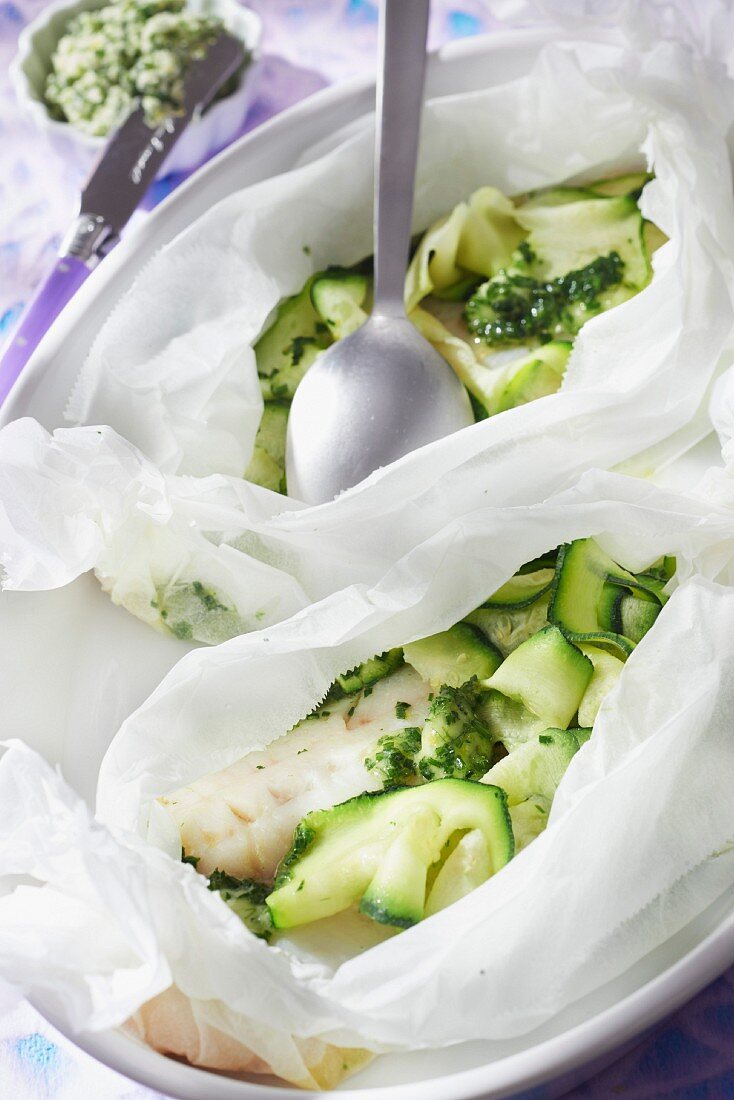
[[453, 656], [547, 674]]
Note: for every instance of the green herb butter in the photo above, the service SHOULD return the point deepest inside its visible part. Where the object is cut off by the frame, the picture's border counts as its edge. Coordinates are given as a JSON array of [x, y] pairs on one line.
[[128, 53]]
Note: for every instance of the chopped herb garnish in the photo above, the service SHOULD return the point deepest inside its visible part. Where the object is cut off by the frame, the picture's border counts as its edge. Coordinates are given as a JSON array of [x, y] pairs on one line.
[[298, 347], [124, 54], [401, 710], [461, 744], [207, 597], [395, 756], [514, 306], [246, 898], [184, 631], [526, 252]]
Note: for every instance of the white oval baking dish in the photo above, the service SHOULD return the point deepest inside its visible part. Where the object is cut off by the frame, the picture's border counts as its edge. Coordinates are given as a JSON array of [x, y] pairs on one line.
[[590, 1033]]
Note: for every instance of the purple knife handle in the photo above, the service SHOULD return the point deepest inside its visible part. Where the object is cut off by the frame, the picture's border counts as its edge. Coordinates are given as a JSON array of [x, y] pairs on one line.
[[51, 297]]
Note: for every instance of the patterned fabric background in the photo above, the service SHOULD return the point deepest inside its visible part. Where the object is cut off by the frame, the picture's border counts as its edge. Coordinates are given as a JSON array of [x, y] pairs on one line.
[[308, 44]]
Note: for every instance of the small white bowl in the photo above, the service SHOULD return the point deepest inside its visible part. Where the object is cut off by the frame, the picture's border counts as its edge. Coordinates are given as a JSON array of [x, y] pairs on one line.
[[202, 137]]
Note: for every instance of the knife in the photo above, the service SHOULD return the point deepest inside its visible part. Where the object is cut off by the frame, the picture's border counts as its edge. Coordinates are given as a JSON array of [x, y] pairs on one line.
[[116, 187]]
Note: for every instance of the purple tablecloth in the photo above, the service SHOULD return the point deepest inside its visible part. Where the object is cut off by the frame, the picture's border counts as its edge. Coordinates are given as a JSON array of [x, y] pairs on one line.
[[308, 44]]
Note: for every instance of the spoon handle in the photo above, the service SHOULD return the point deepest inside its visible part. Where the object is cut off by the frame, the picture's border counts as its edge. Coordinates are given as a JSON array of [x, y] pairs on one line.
[[401, 74]]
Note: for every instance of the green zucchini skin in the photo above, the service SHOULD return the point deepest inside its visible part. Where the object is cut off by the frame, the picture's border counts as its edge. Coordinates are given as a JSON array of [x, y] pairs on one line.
[[338, 296], [588, 596], [376, 851], [453, 656], [289, 346], [369, 672], [522, 590]]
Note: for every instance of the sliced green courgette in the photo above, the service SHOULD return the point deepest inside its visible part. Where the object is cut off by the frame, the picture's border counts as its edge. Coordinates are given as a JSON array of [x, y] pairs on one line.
[[556, 196], [568, 236], [586, 597], [369, 672], [653, 238], [434, 265], [475, 240], [636, 616], [287, 349], [538, 686], [522, 589], [607, 670], [465, 868], [338, 296], [376, 851], [458, 292], [529, 819], [530, 775], [536, 767], [630, 184], [545, 561], [267, 465], [490, 234], [656, 576], [453, 656], [509, 627], [538, 374]]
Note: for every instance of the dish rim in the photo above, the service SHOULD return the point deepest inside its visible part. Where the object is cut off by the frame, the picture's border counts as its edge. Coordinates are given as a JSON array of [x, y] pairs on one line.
[[589, 1043]]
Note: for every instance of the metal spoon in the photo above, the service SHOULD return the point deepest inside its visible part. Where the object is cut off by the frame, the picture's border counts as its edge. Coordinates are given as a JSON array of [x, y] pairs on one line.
[[384, 390]]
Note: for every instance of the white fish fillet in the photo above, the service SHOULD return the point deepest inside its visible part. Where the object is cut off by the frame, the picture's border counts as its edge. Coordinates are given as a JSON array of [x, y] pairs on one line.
[[241, 820]]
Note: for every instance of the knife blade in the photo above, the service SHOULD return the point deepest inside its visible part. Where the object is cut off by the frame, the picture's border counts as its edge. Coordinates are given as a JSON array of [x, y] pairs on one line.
[[115, 188], [135, 153]]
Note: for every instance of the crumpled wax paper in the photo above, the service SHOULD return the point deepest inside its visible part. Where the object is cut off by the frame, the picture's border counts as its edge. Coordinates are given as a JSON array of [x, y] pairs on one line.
[[706, 25], [618, 851], [410, 551], [86, 498], [59, 515], [173, 370]]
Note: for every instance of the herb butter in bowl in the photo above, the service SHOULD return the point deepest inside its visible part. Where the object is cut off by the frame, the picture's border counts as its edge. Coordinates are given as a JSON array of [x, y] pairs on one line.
[[81, 67]]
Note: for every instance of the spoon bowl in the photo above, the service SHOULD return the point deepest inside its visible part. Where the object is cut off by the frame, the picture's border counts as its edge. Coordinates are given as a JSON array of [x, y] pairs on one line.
[[366, 401], [384, 390]]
